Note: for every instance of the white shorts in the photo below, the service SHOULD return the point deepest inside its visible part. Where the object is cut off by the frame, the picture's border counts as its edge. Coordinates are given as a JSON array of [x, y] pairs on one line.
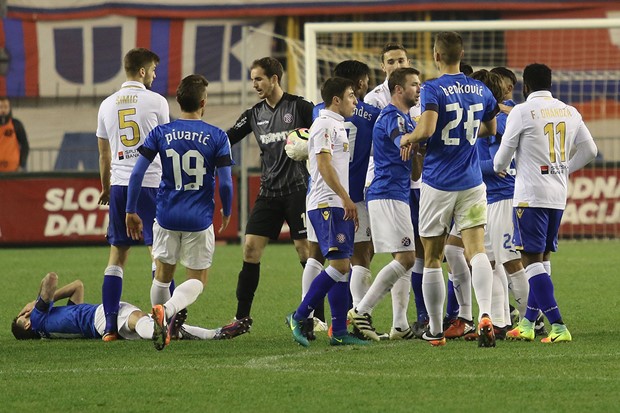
[[391, 227], [499, 233], [124, 311], [468, 208], [194, 249], [363, 232]]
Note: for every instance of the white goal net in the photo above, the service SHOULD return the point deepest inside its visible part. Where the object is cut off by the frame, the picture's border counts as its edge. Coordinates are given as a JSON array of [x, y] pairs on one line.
[[584, 55]]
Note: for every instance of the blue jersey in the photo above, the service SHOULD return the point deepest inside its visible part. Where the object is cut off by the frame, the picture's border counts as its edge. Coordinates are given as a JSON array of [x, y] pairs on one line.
[[359, 130], [498, 188], [392, 175], [451, 162], [190, 152], [68, 321]]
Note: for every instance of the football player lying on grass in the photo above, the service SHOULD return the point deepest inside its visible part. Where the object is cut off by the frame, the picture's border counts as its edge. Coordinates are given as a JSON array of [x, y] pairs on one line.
[[41, 319]]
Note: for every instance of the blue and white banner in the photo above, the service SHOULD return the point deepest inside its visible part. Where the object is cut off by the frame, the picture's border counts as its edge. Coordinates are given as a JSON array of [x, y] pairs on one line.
[[84, 57]]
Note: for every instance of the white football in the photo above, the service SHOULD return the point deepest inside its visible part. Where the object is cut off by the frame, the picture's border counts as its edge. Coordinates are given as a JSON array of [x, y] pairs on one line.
[[296, 146]]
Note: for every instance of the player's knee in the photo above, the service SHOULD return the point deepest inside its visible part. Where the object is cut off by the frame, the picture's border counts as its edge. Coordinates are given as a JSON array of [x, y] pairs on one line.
[[252, 252], [406, 260], [303, 251], [513, 266]]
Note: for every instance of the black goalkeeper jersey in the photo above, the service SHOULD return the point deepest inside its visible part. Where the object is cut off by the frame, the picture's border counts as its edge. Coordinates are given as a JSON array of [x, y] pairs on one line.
[[280, 175]]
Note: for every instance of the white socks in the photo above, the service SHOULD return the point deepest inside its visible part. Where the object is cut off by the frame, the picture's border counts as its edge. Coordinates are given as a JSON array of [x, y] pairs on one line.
[[382, 284], [520, 289], [400, 301], [361, 280], [145, 327], [434, 292], [160, 292], [184, 295], [482, 281], [311, 270], [461, 279]]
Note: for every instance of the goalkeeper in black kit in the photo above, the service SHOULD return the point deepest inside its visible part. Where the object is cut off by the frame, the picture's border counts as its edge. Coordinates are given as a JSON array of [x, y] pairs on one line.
[[284, 182]]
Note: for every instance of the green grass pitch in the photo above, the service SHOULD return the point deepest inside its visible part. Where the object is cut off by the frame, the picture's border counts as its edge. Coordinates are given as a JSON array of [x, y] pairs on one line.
[[265, 371]]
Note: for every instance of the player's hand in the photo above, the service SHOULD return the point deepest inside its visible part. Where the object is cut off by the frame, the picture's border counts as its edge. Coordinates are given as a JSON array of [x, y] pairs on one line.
[[104, 197], [27, 309], [225, 222], [501, 174], [350, 211], [134, 226], [406, 151]]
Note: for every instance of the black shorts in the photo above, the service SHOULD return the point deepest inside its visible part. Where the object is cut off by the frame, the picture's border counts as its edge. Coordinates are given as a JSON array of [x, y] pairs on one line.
[[269, 214]]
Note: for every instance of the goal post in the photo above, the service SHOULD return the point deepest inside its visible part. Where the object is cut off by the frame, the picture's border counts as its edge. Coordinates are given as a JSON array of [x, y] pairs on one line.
[[313, 30], [584, 55]]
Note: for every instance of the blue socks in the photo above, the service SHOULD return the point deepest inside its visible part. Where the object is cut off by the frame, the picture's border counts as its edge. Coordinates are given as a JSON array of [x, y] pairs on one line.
[[420, 307], [339, 303], [111, 291], [318, 290]]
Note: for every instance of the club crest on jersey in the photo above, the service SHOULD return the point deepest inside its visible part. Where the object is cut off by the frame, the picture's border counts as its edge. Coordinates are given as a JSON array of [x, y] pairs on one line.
[[341, 238], [401, 125], [325, 215], [406, 241], [121, 156], [288, 118], [544, 170], [519, 212]]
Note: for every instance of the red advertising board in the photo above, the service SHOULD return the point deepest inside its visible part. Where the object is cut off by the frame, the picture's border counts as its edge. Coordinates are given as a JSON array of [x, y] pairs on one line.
[[63, 209], [593, 207]]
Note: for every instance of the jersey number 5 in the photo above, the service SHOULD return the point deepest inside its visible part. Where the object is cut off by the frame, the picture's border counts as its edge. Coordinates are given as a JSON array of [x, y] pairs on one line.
[[124, 122], [471, 124], [185, 162]]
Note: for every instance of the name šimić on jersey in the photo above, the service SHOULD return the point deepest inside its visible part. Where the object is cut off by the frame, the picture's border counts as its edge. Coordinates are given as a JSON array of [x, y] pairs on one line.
[[126, 99], [176, 135], [459, 88]]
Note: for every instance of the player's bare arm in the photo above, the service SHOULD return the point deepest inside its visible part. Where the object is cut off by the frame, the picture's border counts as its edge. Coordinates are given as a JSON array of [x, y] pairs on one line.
[[73, 291], [488, 128], [105, 162]]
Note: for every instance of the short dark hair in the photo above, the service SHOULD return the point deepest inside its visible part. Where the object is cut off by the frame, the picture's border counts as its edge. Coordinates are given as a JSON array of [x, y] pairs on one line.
[[22, 333], [335, 86], [466, 69], [391, 46], [492, 80], [450, 46], [537, 76], [191, 91], [399, 77], [137, 58], [351, 69], [270, 66], [505, 73]]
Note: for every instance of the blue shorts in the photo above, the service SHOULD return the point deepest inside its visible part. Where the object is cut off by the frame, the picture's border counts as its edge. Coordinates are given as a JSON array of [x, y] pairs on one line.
[[335, 235], [414, 205], [117, 231], [536, 229]]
